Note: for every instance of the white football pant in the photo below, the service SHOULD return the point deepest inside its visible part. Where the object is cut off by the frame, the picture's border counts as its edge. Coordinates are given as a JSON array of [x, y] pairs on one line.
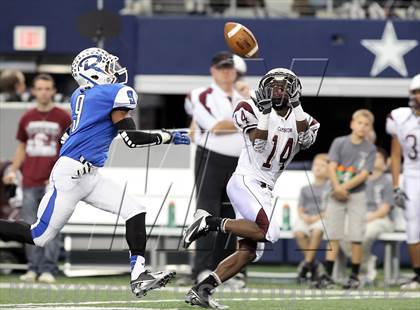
[[252, 202], [66, 191]]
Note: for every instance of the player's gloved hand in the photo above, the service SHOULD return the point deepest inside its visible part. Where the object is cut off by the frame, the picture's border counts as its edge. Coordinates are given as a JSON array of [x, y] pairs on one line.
[[400, 197], [180, 137], [87, 167], [263, 99], [177, 137], [306, 138], [65, 136], [294, 92]]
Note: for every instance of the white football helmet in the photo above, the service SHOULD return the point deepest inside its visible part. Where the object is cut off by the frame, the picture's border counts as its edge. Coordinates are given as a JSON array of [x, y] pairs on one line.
[[284, 84], [414, 102], [95, 66], [415, 83]]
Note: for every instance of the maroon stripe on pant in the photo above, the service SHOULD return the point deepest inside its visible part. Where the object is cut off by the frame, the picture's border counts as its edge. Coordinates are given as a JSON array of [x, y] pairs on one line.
[[262, 221]]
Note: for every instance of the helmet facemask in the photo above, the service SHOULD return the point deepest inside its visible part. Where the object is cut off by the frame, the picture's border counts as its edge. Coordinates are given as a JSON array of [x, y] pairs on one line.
[[114, 69], [280, 98], [283, 86]]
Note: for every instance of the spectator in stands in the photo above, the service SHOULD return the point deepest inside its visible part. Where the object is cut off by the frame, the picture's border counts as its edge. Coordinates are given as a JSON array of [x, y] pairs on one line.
[[12, 85], [218, 147], [352, 159], [309, 228], [10, 194], [379, 193], [38, 135]]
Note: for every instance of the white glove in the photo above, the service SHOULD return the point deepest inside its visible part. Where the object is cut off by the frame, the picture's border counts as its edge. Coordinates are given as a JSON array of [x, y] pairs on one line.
[[306, 138]]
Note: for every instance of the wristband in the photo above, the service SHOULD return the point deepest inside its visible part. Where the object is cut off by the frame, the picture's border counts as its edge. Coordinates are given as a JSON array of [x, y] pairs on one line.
[[299, 114], [263, 122]]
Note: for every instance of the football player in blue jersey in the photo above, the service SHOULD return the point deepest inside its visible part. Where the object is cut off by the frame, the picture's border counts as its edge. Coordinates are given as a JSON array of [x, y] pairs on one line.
[[100, 110]]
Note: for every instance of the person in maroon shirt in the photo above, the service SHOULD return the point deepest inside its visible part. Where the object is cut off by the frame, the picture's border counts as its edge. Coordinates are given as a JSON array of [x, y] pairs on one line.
[[39, 133]]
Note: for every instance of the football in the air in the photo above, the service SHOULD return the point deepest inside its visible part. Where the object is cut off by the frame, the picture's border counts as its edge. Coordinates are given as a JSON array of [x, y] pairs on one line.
[[240, 40]]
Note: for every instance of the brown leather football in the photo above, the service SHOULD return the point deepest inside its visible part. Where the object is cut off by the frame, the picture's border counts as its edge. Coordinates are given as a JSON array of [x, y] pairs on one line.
[[240, 40]]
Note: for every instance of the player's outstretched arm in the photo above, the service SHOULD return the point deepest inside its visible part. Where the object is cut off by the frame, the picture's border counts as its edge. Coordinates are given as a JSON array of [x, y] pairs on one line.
[[134, 138], [263, 101], [307, 138]]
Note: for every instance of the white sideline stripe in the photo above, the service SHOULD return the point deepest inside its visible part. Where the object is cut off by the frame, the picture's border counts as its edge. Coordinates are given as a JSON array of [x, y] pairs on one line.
[[54, 305], [234, 30], [311, 293]]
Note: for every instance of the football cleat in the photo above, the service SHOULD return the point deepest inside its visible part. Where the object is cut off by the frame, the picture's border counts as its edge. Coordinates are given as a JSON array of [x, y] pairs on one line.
[[197, 229], [413, 284], [325, 281], [352, 284], [148, 281], [202, 299]]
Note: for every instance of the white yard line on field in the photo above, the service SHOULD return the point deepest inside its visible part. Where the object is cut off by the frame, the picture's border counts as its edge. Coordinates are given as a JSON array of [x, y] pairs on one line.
[[80, 304], [273, 292]]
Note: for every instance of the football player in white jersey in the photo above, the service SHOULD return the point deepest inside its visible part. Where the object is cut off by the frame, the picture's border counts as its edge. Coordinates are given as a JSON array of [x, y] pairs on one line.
[[275, 128], [404, 126]]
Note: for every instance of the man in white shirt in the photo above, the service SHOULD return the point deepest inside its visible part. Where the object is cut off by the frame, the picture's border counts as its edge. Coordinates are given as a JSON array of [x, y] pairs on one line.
[[219, 145]]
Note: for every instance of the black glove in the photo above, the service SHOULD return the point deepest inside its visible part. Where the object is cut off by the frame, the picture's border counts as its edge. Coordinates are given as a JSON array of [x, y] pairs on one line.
[[294, 90], [399, 197], [263, 100]]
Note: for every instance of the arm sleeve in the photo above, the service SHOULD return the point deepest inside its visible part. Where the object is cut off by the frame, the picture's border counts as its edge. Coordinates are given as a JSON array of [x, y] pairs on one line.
[[136, 138], [126, 98], [244, 117], [311, 133], [313, 124], [333, 153], [391, 126]]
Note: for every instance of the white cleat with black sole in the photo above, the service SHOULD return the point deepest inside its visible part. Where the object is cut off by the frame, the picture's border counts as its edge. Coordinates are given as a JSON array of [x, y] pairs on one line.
[[148, 281], [195, 298], [197, 229]]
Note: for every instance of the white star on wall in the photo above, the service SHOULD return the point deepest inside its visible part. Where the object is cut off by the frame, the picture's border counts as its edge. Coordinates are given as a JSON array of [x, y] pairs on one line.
[[389, 51]]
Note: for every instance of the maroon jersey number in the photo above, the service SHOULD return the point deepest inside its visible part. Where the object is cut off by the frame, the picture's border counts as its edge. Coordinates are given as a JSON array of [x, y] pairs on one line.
[[284, 156]]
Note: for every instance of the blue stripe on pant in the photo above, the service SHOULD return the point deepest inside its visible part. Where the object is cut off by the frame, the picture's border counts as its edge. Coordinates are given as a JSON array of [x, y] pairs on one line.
[[42, 225]]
